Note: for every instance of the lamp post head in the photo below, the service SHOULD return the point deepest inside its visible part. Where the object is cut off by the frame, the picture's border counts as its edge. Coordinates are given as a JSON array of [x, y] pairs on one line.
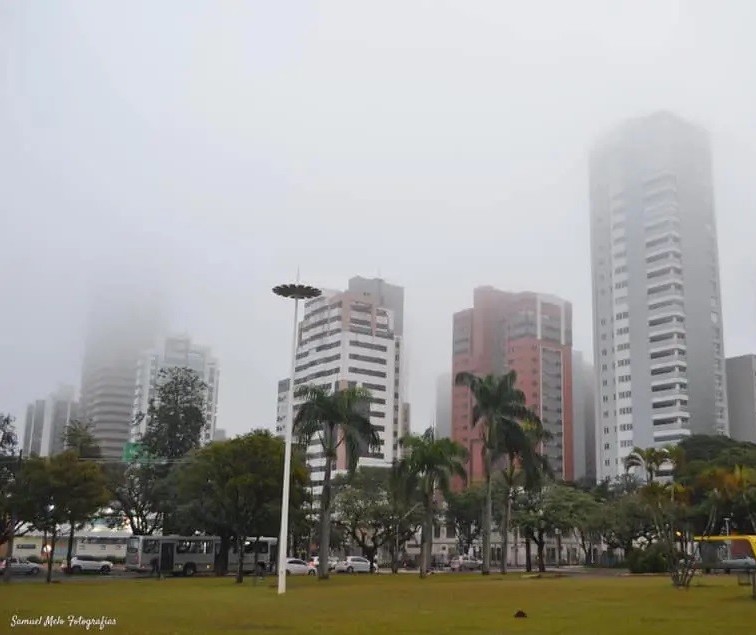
[[297, 291]]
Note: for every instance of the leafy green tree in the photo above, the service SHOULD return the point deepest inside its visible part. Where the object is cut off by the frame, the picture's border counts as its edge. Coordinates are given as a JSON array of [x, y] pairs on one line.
[[56, 490], [139, 491], [549, 511], [79, 437], [434, 462], [176, 416], [335, 418], [10, 462], [464, 510], [500, 409], [233, 489], [362, 509], [145, 489]]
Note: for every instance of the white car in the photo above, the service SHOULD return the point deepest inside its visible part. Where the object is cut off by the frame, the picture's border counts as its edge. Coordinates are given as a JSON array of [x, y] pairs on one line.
[[19, 566], [82, 564], [353, 564], [295, 566]]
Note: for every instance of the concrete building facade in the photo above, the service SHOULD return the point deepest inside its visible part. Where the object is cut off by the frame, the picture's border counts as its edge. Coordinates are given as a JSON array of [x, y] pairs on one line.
[[658, 341], [46, 422], [583, 418], [531, 334], [350, 338], [741, 397], [443, 406]]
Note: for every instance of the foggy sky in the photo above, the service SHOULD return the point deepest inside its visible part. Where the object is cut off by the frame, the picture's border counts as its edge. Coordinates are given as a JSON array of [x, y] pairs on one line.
[[217, 145]]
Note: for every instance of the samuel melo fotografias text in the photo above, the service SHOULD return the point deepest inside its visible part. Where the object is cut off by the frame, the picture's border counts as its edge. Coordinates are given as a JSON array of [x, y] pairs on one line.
[[71, 621]]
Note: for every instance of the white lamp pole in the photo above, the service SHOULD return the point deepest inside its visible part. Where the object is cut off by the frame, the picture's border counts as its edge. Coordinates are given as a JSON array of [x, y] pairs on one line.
[[297, 292]]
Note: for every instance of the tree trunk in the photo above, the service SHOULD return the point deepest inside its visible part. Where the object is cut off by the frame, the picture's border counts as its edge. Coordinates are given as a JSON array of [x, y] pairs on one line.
[[240, 540], [69, 553], [256, 563], [9, 552], [324, 549], [505, 533], [53, 540], [528, 556], [427, 540], [540, 544], [221, 558], [486, 530], [559, 550]]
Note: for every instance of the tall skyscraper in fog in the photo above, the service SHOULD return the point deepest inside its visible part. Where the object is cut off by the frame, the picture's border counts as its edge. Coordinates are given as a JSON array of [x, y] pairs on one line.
[[46, 422], [123, 322], [443, 406], [657, 316]]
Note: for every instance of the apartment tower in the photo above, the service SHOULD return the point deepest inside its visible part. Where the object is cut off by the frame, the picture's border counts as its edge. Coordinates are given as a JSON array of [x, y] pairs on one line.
[[657, 318], [353, 338], [531, 334]]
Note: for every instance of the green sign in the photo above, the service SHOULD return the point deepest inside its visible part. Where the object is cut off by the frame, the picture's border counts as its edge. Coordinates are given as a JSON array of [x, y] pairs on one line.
[[132, 451]]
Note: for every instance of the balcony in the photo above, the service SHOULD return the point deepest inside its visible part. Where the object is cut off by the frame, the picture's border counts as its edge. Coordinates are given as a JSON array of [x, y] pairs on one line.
[[667, 377], [670, 393], [670, 310], [673, 360], [680, 410], [665, 328], [667, 344], [672, 249], [673, 277]]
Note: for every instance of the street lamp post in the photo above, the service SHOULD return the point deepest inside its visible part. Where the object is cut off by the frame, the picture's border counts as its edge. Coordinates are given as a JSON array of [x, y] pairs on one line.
[[296, 292]]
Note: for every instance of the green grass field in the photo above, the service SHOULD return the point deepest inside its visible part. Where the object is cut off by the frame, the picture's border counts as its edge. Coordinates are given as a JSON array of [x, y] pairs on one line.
[[585, 605]]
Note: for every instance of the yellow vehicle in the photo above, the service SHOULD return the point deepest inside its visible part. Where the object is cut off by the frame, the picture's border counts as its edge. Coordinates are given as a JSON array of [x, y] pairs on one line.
[[729, 553]]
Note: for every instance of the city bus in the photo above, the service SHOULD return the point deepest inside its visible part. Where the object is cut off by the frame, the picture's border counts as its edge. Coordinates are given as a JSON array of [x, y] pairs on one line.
[[187, 555]]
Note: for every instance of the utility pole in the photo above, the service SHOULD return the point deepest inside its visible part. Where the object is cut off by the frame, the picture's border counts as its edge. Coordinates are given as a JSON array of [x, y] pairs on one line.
[[13, 521]]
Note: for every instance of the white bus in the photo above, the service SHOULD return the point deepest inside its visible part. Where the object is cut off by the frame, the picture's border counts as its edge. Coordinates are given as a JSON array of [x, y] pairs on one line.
[[187, 555]]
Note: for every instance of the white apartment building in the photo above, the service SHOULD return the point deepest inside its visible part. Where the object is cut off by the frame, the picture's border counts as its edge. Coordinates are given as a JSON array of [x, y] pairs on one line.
[[348, 339], [46, 422], [657, 319], [177, 352]]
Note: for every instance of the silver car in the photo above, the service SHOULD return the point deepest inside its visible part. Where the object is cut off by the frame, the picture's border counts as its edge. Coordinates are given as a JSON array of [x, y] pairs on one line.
[[20, 566], [465, 563]]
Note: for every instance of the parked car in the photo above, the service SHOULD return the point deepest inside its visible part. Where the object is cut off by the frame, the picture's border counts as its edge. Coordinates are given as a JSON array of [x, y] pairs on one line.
[[465, 563], [353, 564], [295, 566], [315, 560], [19, 566], [82, 564]]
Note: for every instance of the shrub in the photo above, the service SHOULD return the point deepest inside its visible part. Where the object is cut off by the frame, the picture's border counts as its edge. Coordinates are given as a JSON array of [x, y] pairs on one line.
[[652, 559]]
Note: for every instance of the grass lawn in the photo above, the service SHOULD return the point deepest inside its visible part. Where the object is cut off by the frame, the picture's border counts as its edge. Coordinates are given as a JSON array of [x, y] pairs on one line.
[[584, 605]]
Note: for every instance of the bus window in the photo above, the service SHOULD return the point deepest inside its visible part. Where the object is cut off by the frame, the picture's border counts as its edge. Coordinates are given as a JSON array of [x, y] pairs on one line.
[[150, 546], [133, 545]]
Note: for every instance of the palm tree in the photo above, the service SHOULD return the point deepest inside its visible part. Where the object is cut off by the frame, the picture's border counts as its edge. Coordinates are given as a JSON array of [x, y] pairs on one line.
[[498, 412], [337, 418], [434, 462], [650, 459]]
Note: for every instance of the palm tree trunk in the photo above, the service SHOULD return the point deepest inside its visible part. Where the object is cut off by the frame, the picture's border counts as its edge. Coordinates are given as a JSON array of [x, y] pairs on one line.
[[505, 533], [324, 550], [427, 540], [486, 568]]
